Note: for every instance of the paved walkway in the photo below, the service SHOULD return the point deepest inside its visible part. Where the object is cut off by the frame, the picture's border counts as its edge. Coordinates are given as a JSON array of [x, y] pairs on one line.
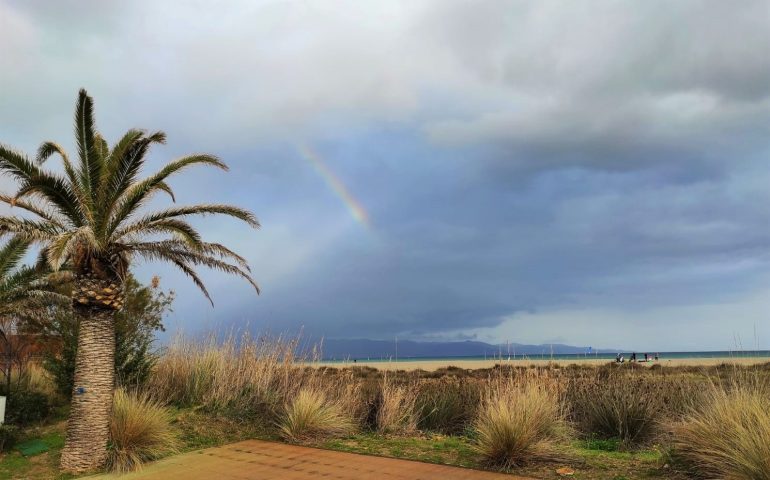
[[255, 459]]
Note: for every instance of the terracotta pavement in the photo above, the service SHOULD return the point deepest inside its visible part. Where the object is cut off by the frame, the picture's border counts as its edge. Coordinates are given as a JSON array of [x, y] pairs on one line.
[[256, 459]]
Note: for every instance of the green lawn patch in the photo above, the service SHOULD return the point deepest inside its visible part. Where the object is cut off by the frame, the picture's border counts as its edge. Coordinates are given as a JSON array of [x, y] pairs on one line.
[[43, 447]]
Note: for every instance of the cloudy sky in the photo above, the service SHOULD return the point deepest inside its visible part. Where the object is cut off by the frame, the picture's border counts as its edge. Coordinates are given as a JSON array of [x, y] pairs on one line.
[[594, 173]]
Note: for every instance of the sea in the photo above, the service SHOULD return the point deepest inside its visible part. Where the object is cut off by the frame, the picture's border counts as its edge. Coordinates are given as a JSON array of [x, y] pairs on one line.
[[569, 356]]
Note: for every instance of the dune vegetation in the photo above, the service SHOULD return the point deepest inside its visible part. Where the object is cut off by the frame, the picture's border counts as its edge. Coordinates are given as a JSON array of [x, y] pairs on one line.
[[612, 421]]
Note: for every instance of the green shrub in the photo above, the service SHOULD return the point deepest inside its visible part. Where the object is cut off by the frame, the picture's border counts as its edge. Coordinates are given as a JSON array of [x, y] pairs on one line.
[[621, 406], [8, 436], [25, 407], [447, 405]]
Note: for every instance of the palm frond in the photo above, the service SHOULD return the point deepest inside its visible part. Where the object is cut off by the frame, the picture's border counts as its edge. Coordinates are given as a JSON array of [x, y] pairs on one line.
[[155, 252], [20, 278], [47, 149], [10, 255], [57, 191], [28, 230], [16, 163], [85, 133], [207, 209], [120, 161], [40, 212], [225, 253], [163, 186], [141, 191], [190, 272], [22, 284], [170, 251], [61, 247], [182, 230], [205, 248], [102, 150], [121, 170]]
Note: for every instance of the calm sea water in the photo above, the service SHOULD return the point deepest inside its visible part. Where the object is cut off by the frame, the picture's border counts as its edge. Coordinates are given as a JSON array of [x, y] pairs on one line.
[[573, 356]]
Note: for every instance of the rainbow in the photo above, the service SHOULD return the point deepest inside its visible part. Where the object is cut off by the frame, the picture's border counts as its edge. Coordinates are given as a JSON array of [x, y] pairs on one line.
[[355, 208]]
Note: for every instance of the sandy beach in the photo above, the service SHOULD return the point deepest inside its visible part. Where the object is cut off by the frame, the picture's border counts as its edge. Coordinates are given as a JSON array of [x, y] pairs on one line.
[[430, 364]]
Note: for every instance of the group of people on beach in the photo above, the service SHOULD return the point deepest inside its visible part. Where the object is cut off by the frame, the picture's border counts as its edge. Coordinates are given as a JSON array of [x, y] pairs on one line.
[[619, 358]]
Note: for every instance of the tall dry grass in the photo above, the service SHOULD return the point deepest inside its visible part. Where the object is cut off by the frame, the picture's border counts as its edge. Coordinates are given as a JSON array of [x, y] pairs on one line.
[[140, 430], [726, 434], [238, 373], [38, 379], [247, 376], [520, 420], [397, 409]]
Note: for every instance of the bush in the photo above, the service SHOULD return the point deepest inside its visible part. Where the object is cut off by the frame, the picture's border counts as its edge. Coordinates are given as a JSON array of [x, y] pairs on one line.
[[447, 405], [8, 436], [518, 421], [312, 415], [25, 407], [727, 434], [140, 431], [396, 412], [625, 407]]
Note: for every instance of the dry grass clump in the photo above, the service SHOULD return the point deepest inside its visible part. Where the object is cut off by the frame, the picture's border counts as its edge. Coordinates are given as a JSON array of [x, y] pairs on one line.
[[312, 414], [519, 420], [140, 431], [396, 412], [727, 433]]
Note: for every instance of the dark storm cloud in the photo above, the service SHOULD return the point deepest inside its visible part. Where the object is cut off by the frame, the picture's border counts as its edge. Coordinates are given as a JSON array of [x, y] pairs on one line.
[[612, 85], [531, 170]]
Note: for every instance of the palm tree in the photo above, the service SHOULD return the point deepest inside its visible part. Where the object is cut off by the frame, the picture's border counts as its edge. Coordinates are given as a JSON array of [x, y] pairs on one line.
[[90, 218]]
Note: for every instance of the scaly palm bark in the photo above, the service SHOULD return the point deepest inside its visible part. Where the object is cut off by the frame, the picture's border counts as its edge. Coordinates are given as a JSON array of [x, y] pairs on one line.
[[90, 217]]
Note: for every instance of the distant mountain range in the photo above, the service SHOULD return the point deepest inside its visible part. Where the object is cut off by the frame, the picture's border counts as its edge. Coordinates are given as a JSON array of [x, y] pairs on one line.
[[378, 349]]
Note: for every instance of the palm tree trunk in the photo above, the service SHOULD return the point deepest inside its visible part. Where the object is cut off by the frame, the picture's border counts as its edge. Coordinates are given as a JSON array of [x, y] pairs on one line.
[[88, 428]]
